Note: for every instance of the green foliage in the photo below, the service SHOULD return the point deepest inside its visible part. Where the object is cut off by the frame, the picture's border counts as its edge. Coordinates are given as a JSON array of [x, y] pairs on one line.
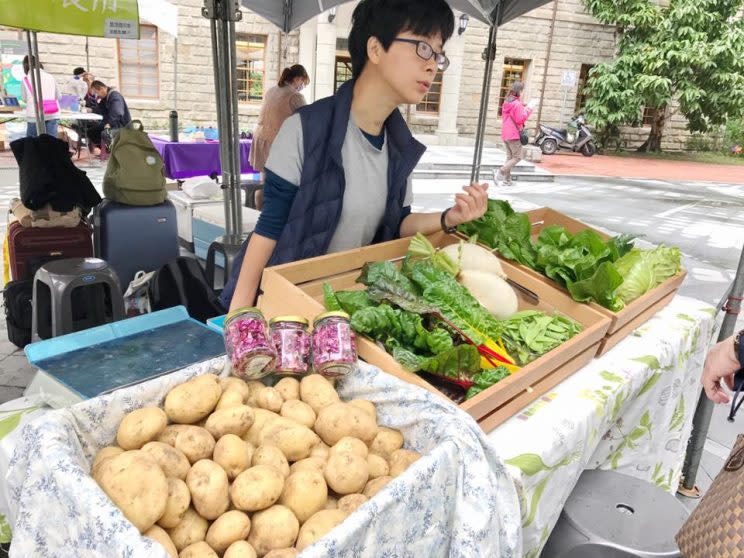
[[690, 53], [734, 133]]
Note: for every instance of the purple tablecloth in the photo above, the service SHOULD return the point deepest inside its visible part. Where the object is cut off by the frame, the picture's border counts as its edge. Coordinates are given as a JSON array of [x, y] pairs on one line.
[[184, 160]]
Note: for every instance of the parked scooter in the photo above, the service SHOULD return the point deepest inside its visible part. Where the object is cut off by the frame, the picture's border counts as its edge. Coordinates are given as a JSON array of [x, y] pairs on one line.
[[575, 136]]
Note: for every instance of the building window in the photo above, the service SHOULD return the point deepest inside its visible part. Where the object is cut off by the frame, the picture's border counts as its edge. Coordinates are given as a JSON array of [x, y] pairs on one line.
[[581, 95], [343, 71], [139, 65], [251, 64], [514, 70], [430, 103]]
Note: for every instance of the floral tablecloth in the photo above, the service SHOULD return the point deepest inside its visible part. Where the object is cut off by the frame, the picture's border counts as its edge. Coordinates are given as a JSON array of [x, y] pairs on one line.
[[458, 500], [630, 410]]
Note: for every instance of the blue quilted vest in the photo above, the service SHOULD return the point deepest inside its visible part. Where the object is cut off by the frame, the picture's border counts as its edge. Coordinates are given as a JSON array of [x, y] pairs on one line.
[[317, 207]]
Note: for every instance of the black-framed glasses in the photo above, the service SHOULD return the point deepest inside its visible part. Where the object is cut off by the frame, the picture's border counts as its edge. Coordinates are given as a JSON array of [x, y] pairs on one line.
[[425, 51]]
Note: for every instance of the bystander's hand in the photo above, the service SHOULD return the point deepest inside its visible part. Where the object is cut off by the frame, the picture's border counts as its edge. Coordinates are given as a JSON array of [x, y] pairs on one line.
[[720, 364]]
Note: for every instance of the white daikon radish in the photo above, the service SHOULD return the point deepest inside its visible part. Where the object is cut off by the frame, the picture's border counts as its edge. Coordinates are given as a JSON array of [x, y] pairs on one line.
[[472, 257], [491, 291]]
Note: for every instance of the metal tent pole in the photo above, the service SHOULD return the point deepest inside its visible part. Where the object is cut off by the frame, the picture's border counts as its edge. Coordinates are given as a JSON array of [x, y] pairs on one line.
[[704, 410], [222, 15], [33, 61], [489, 56]]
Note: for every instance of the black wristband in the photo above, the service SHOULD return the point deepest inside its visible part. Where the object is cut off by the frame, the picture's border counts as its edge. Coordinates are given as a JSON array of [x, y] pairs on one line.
[[739, 347], [443, 223]]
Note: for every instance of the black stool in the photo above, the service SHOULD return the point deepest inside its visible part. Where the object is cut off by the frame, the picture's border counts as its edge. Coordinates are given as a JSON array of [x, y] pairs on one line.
[[229, 247]]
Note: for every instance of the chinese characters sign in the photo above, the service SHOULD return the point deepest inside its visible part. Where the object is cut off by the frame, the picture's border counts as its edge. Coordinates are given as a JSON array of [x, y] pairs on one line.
[[93, 18]]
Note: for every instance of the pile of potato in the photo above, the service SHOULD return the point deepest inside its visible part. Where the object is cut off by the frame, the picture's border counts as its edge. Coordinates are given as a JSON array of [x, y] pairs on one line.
[[237, 469]]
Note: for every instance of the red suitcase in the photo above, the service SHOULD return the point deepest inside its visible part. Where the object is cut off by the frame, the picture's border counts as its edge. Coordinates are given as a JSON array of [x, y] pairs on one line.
[[31, 247]]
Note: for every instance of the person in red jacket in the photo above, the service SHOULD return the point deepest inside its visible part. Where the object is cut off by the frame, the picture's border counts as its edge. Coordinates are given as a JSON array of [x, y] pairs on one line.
[[513, 116]]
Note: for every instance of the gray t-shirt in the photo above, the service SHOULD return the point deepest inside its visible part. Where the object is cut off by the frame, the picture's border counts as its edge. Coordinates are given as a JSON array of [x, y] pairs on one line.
[[365, 170]]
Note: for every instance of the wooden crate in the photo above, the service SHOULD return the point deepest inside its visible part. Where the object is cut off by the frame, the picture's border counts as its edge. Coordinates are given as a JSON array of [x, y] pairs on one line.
[[544, 217], [297, 288]]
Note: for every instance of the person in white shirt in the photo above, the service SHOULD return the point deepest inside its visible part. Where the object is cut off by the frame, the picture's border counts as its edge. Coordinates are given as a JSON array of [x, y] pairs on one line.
[[49, 95], [75, 85]]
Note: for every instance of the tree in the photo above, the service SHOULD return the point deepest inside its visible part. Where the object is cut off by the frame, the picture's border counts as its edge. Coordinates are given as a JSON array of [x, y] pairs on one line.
[[687, 56]]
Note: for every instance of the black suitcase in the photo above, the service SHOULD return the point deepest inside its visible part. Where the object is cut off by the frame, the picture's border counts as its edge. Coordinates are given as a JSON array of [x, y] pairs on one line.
[[17, 300], [133, 238]]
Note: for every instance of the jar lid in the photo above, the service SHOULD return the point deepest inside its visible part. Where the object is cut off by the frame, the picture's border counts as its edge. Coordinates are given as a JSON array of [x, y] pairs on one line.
[[336, 314], [291, 319], [244, 310]]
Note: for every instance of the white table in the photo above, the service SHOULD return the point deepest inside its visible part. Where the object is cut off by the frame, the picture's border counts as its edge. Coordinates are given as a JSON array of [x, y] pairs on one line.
[[63, 115]]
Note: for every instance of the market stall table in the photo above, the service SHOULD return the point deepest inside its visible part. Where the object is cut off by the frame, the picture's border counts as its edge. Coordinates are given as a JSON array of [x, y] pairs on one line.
[[186, 159], [630, 411]]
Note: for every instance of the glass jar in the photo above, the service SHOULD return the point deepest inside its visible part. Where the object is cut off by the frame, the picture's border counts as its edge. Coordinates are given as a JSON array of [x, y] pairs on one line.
[[334, 348], [247, 343], [292, 345]]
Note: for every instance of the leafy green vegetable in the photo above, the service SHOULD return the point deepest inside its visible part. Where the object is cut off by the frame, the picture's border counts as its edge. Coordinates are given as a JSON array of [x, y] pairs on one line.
[[329, 298], [385, 283], [485, 379], [420, 247], [601, 287], [353, 301], [538, 333], [459, 362], [645, 269]]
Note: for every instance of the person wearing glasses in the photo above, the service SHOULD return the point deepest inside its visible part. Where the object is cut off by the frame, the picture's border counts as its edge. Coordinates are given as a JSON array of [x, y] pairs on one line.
[[338, 175]]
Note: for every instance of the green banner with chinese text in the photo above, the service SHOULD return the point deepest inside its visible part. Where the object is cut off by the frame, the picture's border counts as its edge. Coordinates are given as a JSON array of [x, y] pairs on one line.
[[92, 18]]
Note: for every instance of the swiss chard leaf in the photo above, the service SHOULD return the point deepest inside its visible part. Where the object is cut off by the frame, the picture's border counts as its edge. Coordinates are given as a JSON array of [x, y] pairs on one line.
[[459, 362], [353, 301], [485, 379], [329, 298], [385, 283]]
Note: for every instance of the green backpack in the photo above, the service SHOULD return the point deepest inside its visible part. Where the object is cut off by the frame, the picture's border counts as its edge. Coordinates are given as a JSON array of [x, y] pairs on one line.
[[134, 175]]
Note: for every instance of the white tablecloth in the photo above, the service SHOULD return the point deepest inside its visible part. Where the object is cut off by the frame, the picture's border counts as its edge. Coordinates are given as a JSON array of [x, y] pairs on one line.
[[630, 410], [458, 500]]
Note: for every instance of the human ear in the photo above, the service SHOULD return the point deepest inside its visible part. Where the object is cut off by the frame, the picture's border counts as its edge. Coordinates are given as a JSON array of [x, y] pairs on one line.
[[374, 50]]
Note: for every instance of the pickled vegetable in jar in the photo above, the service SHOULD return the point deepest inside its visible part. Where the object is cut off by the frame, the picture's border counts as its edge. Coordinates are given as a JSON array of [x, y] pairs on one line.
[[334, 347], [247, 343], [291, 342]]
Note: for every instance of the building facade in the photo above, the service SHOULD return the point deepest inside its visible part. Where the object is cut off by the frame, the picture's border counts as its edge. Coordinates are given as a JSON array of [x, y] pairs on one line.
[[551, 49]]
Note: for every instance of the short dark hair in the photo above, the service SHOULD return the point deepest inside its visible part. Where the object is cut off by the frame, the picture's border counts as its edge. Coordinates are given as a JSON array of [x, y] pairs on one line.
[[28, 61], [296, 71], [385, 19], [97, 83], [78, 71]]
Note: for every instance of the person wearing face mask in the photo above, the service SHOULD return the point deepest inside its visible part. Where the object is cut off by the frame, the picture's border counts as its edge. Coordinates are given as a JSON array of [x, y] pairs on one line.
[[338, 176], [280, 102]]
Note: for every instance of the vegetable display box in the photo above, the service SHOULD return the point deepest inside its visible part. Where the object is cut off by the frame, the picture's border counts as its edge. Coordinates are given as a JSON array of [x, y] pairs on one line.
[[297, 288], [635, 313]]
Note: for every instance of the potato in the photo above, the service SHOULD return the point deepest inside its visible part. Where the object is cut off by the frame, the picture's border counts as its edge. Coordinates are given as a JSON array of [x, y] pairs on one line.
[[157, 534], [254, 387], [179, 500], [168, 435], [230, 398], [305, 493], [173, 462], [378, 467], [386, 442], [233, 454], [274, 528], [198, 550], [298, 411], [288, 388], [347, 444], [309, 464], [272, 456], [231, 383], [234, 420], [140, 426], [282, 553], [317, 392], [295, 442], [270, 399], [240, 549], [262, 418], [228, 528], [137, 486], [365, 405], [401, 459], [321, 450], [196, 443], [209, 488], [375, 485], [193, 400], [346, 473], [318, 525], [192, 529], [106, 453], [341, 419], [331, 504], [257, 488], [351, 502]]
